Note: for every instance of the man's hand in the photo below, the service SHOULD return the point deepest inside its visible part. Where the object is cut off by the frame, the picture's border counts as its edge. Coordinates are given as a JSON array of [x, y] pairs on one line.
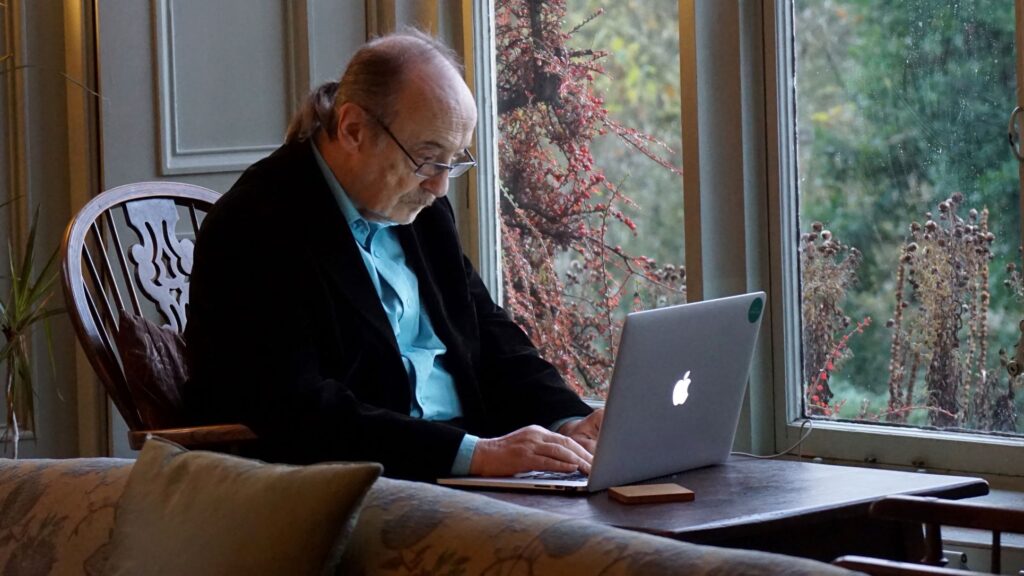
[[585, 431], [530, 448]]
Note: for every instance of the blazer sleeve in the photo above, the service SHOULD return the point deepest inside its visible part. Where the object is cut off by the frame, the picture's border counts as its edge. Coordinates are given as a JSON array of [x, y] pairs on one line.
[[518, 386], [256, 336]]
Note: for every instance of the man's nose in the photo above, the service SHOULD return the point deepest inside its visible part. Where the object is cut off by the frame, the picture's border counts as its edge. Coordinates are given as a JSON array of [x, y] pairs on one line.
[[437, 184]]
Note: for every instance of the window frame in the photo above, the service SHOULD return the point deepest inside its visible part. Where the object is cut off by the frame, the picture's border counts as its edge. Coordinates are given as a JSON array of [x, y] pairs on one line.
[[867, 443], [737, 110]]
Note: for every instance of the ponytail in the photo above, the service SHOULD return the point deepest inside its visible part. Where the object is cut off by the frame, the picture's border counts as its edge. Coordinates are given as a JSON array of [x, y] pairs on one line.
[[315, 113]]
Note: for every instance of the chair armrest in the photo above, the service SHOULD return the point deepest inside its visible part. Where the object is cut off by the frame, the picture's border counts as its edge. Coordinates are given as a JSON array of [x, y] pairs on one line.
[[929, 510], [879, 567], [197, 436]]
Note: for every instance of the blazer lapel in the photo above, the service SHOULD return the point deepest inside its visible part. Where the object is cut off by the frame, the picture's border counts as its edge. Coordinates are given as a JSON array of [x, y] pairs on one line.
[[334, 248]]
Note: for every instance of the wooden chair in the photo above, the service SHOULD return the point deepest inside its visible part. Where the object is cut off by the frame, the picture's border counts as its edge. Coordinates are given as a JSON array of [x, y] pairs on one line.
[[930, 514], [129, 252]]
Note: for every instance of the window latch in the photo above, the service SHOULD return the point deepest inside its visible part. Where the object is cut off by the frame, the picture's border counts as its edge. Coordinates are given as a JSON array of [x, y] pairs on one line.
[[1013, 135]]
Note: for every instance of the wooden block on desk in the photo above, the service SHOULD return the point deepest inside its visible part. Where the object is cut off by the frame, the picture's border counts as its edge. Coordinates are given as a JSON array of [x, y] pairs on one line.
[[650, 493]]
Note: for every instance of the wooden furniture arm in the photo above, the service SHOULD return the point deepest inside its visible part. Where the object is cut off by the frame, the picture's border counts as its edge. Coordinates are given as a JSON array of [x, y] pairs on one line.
[[879, 567], [936, 512], [196, 436], [930, 510]]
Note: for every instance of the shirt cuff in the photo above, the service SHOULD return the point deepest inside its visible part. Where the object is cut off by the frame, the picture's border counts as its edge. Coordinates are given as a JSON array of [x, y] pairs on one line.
[[559, 423], [463, 458]]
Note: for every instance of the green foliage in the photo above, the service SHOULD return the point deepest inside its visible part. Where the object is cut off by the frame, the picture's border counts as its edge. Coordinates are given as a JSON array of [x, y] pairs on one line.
[[640, 88], [25, 307], [902, 104]]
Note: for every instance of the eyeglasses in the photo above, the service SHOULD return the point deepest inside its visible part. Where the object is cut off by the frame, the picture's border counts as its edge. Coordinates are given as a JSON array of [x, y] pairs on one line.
[[431, 169]]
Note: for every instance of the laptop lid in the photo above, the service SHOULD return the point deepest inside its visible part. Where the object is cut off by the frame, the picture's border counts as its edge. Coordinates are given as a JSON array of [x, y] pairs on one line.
[[675, 395], [677, 389]]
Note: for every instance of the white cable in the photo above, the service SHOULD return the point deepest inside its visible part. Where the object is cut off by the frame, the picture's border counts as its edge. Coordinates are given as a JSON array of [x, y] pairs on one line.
[[803, 436]]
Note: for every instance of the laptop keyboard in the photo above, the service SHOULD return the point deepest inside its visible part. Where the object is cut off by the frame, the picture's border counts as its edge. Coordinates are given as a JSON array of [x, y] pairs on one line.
[[542, 475]]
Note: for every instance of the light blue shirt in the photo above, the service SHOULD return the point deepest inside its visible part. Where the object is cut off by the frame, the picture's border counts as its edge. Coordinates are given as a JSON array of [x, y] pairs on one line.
[[433, 388]]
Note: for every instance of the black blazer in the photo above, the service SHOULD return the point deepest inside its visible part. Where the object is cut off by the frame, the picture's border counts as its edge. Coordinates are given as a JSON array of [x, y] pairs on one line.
[[287, 334]]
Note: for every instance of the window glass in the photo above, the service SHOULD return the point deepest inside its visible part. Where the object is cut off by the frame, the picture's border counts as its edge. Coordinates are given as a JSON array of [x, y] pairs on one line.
[[909, 201], [591, 196]]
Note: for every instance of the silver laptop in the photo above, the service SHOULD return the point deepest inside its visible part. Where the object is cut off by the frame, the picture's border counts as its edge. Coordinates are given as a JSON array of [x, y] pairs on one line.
[[674, 400]]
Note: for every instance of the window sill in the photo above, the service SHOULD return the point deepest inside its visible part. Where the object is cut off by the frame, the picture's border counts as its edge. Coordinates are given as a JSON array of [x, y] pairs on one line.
[[911, 448]]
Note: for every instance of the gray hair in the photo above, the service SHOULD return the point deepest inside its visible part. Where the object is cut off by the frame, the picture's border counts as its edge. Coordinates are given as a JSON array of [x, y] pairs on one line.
[[372, 80]]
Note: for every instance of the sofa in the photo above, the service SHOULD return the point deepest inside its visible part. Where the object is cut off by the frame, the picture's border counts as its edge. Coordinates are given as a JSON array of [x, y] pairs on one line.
[[58, 517]]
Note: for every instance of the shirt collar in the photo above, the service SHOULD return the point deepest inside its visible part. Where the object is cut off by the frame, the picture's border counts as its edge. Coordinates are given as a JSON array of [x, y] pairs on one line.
[[364, 230]]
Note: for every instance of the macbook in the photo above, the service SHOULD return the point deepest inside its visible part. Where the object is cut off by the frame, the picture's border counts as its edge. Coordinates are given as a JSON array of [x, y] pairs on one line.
[[674, 399]]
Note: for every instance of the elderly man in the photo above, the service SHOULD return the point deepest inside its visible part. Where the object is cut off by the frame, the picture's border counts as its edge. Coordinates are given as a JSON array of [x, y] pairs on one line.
[[332, 308]]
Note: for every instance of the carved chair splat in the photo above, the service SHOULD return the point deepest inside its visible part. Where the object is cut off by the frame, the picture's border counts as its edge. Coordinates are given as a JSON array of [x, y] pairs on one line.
[[129, 251]]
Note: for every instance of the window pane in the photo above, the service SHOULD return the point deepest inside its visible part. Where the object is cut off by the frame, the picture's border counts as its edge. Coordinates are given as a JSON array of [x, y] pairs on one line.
[[591, 196], [910, 209]]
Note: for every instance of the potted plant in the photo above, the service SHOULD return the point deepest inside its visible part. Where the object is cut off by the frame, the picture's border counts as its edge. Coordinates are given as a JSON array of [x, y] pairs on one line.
[[21, 312]]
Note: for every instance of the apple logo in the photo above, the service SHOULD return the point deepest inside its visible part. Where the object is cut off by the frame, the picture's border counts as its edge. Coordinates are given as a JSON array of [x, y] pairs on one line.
[[681, 391]]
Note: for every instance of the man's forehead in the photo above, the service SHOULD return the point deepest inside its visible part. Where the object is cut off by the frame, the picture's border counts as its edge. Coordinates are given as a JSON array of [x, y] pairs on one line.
[[442, 115], [433, 144], [437, 89]]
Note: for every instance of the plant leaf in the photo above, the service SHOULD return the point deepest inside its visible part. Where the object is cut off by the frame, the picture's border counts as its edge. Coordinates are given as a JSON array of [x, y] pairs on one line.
[[14, 288], [42, 288], [5, 352], [42, 315], [49, 349], [26, 305], [28, 259]]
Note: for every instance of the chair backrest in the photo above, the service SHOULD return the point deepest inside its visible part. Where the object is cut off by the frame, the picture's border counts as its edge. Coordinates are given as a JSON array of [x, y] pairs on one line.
[[129, 251]]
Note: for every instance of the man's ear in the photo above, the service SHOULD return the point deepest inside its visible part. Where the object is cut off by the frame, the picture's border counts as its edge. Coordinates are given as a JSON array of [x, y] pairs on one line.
[[352, 126]]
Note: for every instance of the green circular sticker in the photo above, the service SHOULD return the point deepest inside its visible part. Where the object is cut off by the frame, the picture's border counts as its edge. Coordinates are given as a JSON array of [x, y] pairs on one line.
[[755, 310]]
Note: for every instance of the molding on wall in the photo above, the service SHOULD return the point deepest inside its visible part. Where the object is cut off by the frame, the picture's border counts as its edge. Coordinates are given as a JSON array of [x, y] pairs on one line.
[[16, 133], [84, 183], [16, 142], [380, 17], [174, 158], [299, 18]]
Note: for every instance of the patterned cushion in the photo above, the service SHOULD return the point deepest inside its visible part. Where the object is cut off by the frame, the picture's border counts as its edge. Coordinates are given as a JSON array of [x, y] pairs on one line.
[[56, 516], [200, 513], [409, 528]]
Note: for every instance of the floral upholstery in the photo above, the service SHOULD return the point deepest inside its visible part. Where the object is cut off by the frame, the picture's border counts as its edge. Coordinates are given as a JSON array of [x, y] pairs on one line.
[[417, 529], [56, 516]]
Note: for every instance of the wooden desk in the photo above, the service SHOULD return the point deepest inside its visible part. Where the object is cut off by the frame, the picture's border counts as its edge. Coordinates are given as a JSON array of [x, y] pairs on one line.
[[791, 507]]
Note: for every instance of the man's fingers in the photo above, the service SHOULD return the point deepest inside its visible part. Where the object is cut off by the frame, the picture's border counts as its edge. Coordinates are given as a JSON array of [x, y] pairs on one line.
[[559, 450], [531, 448], [589, 444], [556, 465], [575, 447]]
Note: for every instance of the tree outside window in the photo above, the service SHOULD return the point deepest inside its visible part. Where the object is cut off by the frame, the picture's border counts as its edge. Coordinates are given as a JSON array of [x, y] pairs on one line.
[[590, 195]]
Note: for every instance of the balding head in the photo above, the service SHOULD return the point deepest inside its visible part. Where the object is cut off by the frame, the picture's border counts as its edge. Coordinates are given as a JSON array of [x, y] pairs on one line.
[[378, 71], [394, 127], [374, 79]]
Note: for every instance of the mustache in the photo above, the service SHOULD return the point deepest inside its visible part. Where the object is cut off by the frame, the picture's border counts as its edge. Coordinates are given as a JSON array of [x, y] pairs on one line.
[[421, 197]]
